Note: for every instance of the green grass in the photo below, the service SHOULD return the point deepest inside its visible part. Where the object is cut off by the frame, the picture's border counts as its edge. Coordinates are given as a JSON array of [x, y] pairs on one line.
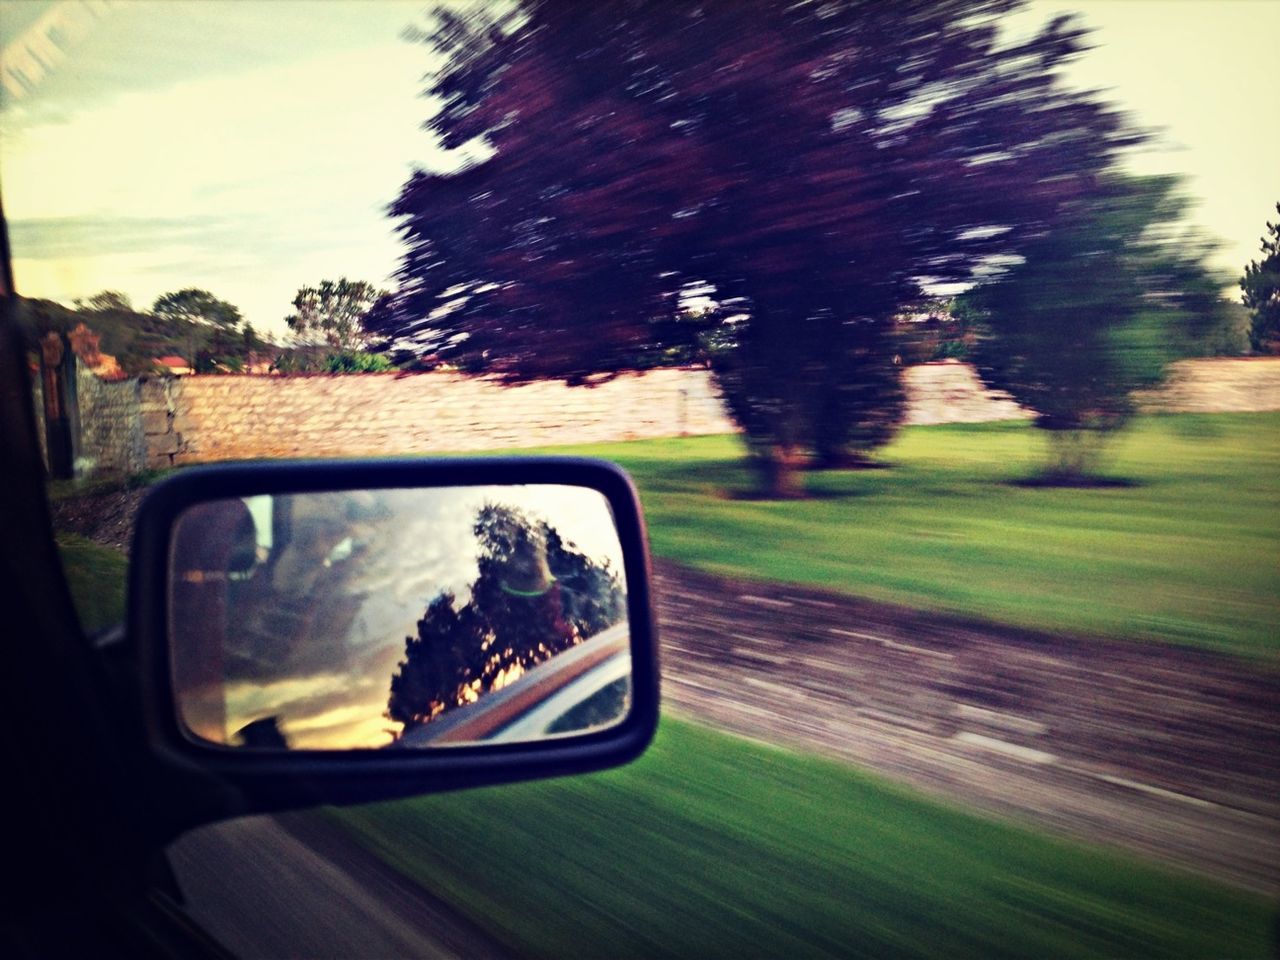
[[96, 575], [1190, 554], [712, 846]]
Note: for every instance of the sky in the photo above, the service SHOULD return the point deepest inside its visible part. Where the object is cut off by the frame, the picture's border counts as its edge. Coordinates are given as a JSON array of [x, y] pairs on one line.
[[252, 148]]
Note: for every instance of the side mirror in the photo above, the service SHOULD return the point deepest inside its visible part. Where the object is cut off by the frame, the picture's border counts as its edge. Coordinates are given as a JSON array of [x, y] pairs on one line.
[[345, 631]]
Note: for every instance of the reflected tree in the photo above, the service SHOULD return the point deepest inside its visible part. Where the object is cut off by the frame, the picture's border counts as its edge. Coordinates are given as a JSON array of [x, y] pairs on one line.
[[262, 734], [534, 596]]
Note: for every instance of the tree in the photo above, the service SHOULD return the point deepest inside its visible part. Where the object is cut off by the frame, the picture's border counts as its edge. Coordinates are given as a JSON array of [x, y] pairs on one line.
[[134, 337], [215, 342], [809, 167], [534, 596], [197, 306], [250, 339], [1261, 287], [105, 300], [1101, 303], [332, 313]]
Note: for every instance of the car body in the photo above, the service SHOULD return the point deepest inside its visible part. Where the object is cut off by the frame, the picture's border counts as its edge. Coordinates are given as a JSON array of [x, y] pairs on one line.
[[532, 706]]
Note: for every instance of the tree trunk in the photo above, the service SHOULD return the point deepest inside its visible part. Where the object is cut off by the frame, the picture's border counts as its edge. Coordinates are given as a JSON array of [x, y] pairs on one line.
[[781, 469], [1074, 455]]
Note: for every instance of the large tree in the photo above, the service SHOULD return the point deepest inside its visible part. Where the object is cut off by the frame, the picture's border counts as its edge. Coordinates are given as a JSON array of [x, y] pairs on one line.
[[1102, 301], [810, 167], [1261, 287]]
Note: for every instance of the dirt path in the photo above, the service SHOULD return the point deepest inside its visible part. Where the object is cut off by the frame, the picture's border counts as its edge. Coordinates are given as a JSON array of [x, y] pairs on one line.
[[105, 517], [1168, 751]]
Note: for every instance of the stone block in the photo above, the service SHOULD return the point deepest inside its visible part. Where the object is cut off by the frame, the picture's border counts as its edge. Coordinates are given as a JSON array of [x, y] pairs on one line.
[[155, 422], [162, 444]]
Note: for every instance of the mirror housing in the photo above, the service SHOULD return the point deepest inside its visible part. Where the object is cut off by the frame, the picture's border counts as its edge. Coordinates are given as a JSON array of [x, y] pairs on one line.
[[237, 781]]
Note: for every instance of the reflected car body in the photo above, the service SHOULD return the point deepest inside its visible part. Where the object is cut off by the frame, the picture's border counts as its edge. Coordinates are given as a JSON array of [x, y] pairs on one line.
[[530, 707]]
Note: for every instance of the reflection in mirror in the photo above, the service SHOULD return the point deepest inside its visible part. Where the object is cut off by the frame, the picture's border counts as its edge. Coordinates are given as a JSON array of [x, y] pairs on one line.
[[398, 618]]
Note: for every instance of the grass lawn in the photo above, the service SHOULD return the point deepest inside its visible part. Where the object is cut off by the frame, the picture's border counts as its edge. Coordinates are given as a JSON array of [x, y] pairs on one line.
[[713, 846], [1190, 554], [96, 575]]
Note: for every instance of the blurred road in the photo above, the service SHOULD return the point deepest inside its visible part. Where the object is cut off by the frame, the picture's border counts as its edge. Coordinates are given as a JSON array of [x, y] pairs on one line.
[[1169, 751], [292, 886]]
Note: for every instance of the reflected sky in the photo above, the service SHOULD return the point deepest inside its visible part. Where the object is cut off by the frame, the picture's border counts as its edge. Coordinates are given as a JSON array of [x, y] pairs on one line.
[[315, 630]]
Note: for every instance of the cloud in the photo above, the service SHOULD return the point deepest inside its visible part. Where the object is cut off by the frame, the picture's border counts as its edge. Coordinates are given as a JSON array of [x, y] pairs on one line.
[[59, 237], [259, 180]]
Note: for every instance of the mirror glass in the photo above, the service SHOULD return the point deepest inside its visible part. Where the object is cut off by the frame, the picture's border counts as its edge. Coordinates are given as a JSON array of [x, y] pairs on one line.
[[398, 618]]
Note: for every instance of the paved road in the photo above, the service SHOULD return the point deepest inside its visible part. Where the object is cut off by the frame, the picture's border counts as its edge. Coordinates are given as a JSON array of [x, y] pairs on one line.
[[1168, 751]]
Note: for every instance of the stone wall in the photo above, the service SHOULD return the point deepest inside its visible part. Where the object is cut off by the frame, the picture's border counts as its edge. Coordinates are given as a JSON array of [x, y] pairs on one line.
[[950, 392], [127, 426], [109, 428], [158, 415], [225, 417], [1219, 385]]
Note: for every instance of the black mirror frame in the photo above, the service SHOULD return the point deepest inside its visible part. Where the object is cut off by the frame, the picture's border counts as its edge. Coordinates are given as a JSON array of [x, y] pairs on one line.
[[249, 782]]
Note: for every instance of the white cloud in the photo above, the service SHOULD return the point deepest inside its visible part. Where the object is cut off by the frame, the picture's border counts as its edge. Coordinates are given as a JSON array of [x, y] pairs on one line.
[[295, 164]]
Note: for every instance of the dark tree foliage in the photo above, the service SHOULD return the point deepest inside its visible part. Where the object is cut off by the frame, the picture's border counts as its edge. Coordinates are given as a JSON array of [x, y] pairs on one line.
[[1261, 287], [1104, 300], [811, 164], [534, 596], [845, 398], [218, 342]]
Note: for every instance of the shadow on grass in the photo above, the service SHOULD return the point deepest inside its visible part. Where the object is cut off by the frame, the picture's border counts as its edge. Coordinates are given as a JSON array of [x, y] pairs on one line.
[[760, 496], [1071, 481]]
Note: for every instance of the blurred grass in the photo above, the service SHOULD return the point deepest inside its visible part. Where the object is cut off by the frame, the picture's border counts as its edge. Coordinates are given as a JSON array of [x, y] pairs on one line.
[[1189, 554], [712, 846], [96, 575]]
